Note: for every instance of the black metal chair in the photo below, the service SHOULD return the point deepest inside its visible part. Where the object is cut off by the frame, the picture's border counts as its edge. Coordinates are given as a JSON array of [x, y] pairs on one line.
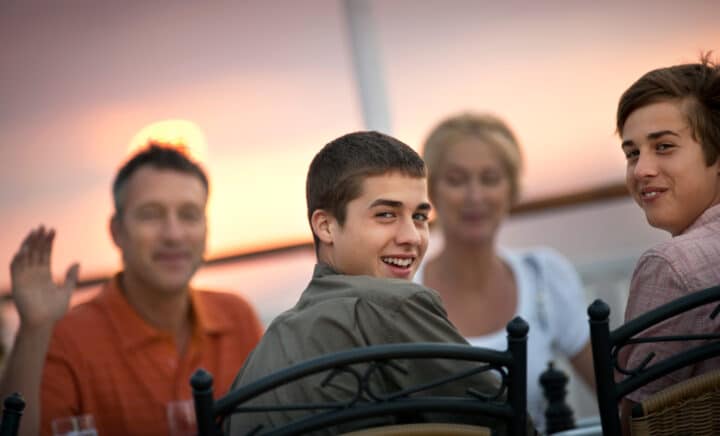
[[508, 405], [606, 346], [13, 407]]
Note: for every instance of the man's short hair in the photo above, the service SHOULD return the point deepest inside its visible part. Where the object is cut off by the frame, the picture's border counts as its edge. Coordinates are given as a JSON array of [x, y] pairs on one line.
[[159, 156], [337, 172], [696, 86]]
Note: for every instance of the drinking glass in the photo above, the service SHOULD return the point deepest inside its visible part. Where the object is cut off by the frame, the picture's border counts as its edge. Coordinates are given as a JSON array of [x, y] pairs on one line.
[[82, 425], [181, 418]]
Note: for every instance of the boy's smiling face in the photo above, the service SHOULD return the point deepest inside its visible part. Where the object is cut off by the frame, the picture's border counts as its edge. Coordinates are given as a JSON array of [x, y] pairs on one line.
[[385, 233]]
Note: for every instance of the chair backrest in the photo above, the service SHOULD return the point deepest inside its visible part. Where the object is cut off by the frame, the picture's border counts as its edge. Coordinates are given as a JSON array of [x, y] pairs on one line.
[[13, 407], [507, 405], [606, 346], [424, 429], [690, 407]]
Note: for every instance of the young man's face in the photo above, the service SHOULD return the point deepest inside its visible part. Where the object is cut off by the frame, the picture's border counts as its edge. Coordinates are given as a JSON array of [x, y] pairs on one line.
[[162, 230], [666, 170], [385, 233]]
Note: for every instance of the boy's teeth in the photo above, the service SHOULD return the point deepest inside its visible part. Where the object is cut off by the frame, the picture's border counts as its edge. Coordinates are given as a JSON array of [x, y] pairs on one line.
[[403, 262]]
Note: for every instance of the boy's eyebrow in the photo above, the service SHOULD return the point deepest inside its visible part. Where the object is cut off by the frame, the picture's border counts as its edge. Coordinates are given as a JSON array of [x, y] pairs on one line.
[[651, 135], [658, 134], [396, 204], [386, 202]]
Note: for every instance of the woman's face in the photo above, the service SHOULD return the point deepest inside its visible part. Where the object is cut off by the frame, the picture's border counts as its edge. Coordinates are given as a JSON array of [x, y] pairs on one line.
[[471, 192]]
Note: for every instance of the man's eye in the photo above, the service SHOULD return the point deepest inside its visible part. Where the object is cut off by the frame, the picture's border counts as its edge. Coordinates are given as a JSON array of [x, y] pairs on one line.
[[190, 215], [420, 216], [663, 147], [149, 214], [629, 154], [385, 214]]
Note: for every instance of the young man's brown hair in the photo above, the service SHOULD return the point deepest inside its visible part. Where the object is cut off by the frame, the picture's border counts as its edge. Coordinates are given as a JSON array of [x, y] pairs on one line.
[[336, 173], [696, 86]]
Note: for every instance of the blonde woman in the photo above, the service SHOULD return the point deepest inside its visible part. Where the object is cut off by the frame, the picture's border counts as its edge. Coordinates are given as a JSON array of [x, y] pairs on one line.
[[474, 163]]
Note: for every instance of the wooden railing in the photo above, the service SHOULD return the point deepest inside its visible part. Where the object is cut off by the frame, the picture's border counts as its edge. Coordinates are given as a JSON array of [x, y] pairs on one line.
[[579, 198]]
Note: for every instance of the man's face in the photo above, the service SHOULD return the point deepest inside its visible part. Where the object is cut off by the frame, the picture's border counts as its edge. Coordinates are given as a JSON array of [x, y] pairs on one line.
[[385, 233], [162, 228], [666, 170]]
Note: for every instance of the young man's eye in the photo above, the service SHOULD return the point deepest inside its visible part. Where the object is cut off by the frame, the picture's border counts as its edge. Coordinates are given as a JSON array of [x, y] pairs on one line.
[[420, 216], [663, 147], [385, 214], [631, 154]]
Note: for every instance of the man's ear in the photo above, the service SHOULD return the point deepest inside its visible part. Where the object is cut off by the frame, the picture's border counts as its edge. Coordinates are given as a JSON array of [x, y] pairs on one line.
[[115, 229], [322, 225]]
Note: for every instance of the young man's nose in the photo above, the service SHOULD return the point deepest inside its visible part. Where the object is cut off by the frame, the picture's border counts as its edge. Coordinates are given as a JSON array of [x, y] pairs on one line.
[[645, 166], [408, 233]]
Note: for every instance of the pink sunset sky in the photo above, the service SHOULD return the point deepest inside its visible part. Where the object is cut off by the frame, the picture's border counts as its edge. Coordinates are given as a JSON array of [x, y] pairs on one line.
[[270, 82]]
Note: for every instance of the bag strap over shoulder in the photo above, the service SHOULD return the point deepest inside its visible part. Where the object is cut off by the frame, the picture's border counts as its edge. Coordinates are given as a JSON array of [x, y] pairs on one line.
[[540, 291]]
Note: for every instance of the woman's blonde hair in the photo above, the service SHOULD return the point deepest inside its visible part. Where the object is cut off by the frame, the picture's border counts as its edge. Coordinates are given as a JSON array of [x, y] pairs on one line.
[[486, 128]]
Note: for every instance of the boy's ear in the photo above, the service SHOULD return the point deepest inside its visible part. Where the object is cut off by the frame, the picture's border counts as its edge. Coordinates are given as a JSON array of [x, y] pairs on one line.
[[322, 225]]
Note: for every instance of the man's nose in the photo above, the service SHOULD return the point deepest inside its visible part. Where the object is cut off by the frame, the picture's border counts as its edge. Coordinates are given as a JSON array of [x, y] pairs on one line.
[[645, 166], [173, 228], [408, 233]]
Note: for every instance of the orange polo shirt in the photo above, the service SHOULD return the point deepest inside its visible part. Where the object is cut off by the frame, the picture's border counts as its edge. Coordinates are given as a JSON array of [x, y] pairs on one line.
[[106, 360]]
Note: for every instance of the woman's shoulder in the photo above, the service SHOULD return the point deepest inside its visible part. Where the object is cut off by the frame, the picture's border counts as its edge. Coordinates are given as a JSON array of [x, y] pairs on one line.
[[538, 259]]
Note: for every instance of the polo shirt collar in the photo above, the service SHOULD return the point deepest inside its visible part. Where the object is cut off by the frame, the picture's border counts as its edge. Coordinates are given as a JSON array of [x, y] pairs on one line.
[[134, 331]]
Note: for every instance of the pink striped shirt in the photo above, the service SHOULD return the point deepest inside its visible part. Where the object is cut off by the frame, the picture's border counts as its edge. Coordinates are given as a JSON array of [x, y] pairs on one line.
[[686, 263]]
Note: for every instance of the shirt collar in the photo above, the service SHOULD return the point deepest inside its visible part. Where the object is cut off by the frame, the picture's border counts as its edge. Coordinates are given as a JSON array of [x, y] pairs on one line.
[[209, 318], [323, 269], [709, 215], [134, 331]]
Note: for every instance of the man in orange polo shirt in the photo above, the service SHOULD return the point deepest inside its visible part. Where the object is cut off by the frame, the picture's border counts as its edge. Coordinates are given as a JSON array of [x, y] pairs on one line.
[[129, 352]]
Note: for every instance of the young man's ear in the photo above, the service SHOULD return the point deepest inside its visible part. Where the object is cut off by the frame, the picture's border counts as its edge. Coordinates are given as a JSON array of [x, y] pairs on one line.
[[322, 225]]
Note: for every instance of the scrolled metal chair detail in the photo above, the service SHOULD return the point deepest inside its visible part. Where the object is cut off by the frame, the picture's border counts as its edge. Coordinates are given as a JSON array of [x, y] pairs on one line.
[[406, 404], [607, 346]]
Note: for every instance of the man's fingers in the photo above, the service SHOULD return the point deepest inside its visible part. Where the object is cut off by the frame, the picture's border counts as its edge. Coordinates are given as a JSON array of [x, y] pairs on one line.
[[46, 249], [71, 277], [35, 245], [27, 242]]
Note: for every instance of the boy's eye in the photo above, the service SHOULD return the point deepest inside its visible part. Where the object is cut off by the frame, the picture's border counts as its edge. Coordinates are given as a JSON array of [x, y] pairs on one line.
[[385, 214], [420, 216], [663, 147], [629, 154]]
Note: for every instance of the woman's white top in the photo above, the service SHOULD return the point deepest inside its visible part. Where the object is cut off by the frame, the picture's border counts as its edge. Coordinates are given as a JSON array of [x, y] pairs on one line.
[[552, 301]]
